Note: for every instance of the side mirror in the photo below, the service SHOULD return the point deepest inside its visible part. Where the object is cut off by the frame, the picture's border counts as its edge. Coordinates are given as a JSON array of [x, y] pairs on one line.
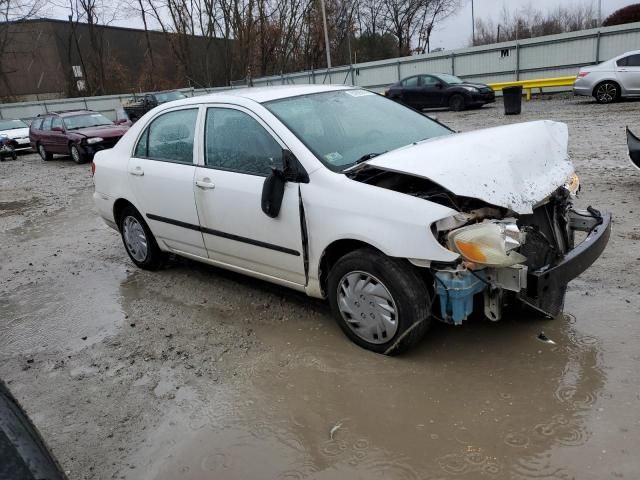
[[439, 85], [273, 187]]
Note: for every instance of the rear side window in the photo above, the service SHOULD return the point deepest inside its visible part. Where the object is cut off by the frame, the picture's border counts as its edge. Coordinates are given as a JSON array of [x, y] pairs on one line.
[[46, 123], [56, 122], [410, 82], [236, 141], [169, 137], [37, 123], [622, 62], [633, 61]]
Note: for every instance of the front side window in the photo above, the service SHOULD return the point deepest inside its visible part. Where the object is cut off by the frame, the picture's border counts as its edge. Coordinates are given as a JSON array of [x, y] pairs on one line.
[[428, 80], [345, 126], [450, 79], [169, 137], [236, 141]]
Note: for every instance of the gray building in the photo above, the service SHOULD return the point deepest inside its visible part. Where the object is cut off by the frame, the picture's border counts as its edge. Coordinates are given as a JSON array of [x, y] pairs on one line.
[[45, 59]]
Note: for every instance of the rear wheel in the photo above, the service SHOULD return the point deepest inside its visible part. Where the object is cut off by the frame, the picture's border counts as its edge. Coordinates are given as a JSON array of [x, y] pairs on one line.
[[380, 303], [46, 156], [456, 102], [607, 92], [139, 241]]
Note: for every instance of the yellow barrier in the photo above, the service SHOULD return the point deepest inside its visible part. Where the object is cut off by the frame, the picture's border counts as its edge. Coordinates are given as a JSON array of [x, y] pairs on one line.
[[536, 83]]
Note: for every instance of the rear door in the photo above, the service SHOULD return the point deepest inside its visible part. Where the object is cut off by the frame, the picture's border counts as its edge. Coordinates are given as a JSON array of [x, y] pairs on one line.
[[161, 174], [628, 73], [44, 135], [239, 153]]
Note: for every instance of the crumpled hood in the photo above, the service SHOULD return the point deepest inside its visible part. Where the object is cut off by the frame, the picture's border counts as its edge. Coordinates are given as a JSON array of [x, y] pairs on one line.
[[106, 131], [514, 166]]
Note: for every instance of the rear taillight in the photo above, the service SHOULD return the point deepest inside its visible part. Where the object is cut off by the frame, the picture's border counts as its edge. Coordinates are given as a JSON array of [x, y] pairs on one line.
[[582, 74], [93, 168]]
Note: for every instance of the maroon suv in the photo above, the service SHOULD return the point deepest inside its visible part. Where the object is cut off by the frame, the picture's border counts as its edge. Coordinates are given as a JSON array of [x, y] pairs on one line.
[[79, 133]]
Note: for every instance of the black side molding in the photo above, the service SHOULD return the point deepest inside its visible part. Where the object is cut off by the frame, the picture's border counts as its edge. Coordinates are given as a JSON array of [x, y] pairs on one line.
[[218, 233]]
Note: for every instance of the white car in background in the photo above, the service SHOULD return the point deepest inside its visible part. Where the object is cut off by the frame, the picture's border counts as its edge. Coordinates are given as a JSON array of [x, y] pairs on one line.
[[346, 195], [17, 132], [611, 80]]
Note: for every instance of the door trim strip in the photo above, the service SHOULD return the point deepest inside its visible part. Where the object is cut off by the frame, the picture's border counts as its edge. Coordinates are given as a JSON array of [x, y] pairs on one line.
[[218, 233]]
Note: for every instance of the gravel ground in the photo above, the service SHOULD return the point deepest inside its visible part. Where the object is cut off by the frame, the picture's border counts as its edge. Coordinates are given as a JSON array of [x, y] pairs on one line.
[[195, 373]]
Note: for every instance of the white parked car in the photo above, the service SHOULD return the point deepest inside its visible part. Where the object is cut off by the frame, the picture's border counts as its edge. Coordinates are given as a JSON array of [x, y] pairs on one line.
[[343, 194], [611, 80], [17, 133]]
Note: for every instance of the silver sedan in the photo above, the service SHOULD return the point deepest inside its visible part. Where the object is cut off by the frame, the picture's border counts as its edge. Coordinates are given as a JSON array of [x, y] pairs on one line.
[[611, 80]]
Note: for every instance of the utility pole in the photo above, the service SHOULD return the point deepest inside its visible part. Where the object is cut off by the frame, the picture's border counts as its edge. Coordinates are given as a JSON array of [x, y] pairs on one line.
[[473, 25], [599, 13], [326, 34]]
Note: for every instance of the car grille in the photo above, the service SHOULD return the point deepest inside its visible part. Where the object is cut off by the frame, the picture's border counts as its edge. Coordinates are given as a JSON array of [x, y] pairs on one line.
[[109, 142]]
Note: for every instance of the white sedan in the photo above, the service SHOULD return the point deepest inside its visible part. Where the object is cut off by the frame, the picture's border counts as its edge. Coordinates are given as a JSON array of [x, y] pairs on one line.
[[343, 194]]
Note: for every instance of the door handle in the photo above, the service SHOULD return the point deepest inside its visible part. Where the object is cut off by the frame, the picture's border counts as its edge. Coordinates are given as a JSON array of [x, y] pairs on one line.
[[138, 172], [205, 184]]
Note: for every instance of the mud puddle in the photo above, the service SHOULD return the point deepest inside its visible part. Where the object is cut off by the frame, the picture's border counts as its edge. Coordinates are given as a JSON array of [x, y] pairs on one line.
[[483, 401]]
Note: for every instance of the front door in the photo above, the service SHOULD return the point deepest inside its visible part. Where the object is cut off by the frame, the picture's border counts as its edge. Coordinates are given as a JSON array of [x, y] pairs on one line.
[[161, 174], [628, 73], [431, 88], [239, 153]]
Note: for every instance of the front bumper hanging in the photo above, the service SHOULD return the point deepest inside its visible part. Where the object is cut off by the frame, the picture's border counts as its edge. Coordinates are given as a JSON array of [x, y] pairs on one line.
[[546, 286]]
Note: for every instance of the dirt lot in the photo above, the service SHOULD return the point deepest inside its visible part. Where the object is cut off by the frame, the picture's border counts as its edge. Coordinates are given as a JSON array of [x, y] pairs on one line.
[[195, 373]]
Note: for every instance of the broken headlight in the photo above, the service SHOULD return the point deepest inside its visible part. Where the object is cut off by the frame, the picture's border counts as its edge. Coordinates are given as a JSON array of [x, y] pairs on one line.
[[573, 184], [489, 243]]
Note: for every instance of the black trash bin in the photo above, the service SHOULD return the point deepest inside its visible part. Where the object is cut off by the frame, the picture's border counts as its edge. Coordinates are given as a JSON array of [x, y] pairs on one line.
[[512, 97]]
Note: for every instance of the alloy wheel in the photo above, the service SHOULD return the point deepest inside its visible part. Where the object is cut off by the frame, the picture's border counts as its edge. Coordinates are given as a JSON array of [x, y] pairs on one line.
[[135, 238], [607, 92], [75, 154], [367, 307]]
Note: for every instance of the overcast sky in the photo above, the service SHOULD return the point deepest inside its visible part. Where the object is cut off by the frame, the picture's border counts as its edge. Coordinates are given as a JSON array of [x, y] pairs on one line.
[[455, 31]]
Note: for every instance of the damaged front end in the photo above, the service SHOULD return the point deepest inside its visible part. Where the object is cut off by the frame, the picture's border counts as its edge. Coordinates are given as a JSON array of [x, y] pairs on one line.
[[504, 254], [531, 257]]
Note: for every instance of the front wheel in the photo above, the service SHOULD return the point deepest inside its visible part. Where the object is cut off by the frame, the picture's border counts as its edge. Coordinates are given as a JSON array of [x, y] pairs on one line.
[[456, 103], [76, 155], [139, 241], [380, 303]]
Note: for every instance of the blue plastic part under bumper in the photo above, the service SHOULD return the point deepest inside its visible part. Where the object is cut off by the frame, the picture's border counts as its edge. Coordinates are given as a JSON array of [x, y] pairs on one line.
[[455, 290]]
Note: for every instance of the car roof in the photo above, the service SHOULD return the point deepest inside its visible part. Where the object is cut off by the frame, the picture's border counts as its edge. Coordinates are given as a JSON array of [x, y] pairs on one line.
[[262, 94], [68, 113]]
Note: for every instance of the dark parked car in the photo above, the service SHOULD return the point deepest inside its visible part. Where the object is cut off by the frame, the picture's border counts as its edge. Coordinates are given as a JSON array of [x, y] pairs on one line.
[[440, 90], [151, 100], [79, 133]]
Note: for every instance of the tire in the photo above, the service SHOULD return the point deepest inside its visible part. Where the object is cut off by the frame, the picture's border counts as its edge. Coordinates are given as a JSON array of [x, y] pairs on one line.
[[46, 156], [456, 102], [143, 251], [77, 155], [402, 295], [23, 452], [607, 92]]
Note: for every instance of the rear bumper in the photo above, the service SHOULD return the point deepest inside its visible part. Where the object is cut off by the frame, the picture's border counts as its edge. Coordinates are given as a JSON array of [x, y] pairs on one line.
[[546, 281]]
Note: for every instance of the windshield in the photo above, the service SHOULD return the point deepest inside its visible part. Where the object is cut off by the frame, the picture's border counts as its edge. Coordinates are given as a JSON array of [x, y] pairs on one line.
[[169, 96], [344, 127], [87, 120], [12, 124], [450, 79]]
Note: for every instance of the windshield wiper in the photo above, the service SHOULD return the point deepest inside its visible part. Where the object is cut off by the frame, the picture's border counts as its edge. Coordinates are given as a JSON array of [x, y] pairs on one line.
[[368, 156]]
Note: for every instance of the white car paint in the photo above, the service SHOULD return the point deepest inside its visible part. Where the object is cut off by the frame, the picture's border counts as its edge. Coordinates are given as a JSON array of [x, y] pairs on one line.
[[19, 135], [336, 207], [513, 166]]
